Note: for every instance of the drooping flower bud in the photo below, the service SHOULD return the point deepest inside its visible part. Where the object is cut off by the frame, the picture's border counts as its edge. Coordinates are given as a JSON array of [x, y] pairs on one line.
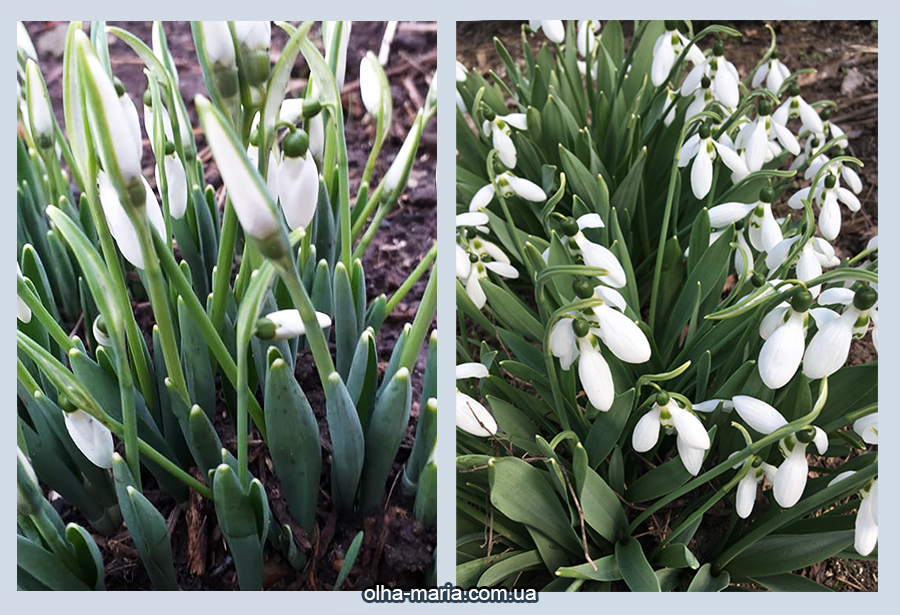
[[253, 39], [39, 110], [220, 54], [28, 492], [370, 84], [329, 28], [23, 312], [298, 181], [286, 324], [91, 437]]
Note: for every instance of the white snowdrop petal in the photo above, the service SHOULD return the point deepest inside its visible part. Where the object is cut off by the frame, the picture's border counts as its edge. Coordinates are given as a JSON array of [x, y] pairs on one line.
[[822, 315], [646, 431], [726, 88], [867, 428], [473, 218], [790, 479], [796, 200], [504, 146], [218, 42], [623, 337], [611, 296], [177, 191], [289, 324], [760, 75], [848, 198], [472, 417], [691, 458], [493, 250], [732, 161], [777, 255], [827, 351], [710, 405], [851, 178], [663, 59], [820, 440], [596, 255], [809, 117], [746, 495], [554, 30], [526, 189], [757, 145], [91, 437], [689, 428], [482, 198], [471, 370], [831, 296], [688, 150], [866, 534], [516, 120], [772, 320], [463, 265], [780, 356], [590, 221], [758, 414], [786, 138], [722, 215], [692, 81], [596, 379], [562, 337], [474, 290], [701, 173], [504, 269]]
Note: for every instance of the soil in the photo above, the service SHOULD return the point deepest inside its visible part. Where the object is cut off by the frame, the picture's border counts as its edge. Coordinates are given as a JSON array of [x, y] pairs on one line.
[[844, 55], [397, 550]]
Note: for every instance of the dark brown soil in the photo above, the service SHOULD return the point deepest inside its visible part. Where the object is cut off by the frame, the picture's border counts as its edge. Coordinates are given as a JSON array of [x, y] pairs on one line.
[[845, 57], [397, 551]]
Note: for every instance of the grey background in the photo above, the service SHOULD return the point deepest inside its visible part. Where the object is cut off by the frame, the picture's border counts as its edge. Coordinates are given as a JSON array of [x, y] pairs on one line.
[[887, 600]]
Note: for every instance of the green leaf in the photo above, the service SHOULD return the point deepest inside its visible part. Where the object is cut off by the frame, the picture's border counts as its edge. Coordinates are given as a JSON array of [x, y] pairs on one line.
[[88, 555], [600, 504], [788, 582], [514, 564], [676, 556], [607, 428], [521, 492], [293, 441], [347, 441], [635, 568], [384, 433], [147, 528], [239, 522], [511, 311], [704, 581], [45, 567], [607, 570], [658, 482], [776, 554], [345, 325]]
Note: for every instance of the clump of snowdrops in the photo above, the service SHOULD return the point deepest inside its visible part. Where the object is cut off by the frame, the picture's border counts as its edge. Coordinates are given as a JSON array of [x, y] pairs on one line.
[[94, 237], [640, 338]]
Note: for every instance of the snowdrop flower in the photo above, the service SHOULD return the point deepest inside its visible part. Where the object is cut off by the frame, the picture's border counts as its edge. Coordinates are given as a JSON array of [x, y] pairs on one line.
[[40, 113], [554, 29], [475, 259], [129, 111], [827, 196], [866, 535], [286, 324], [498, 128], [703, 149], [790, 478], [176, 182], [28, 490], [471, 416], [253, 39], [586, 37], [91, 437], [764, 231], [828, 350], [838, 169], [784, 330], [702, 97], [773, 72], [711, 404], [867, 428], [812, 145], [666, 50], [757, 139], [829, 128], [692, 440], [218, 43], [244, 186], [149, 125], [298, 180], [589, 253], [795, 107], [329, 28], [866, 531], [722, 75], [23, 42], [23, 312], [98, 329], [816, 254], [757, 470], [120, 226], [510, 185], [670, 98], [577, 335], [113, 124], [370, 85], [462, 73]]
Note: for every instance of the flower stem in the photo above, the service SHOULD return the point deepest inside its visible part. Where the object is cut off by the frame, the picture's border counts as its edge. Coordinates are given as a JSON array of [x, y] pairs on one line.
[[410, 281], [421, 324]]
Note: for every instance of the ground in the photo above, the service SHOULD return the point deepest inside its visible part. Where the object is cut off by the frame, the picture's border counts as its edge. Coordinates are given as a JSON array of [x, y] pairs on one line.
[[844, 55], [397, 550]]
